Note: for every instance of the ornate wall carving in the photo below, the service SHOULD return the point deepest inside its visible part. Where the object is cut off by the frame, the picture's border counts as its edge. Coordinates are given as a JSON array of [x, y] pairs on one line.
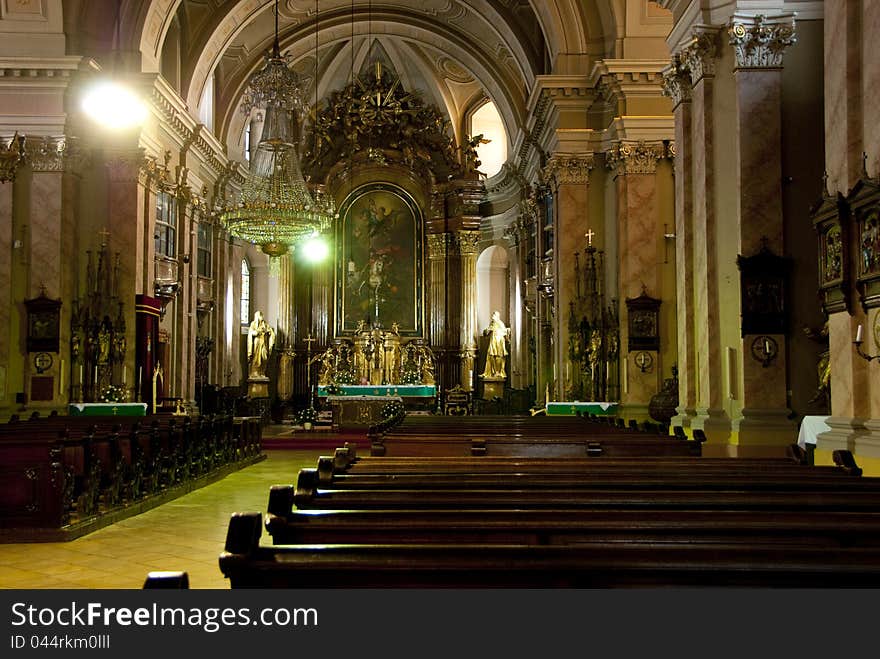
[[569, 167], [760, 42], [635, 157]]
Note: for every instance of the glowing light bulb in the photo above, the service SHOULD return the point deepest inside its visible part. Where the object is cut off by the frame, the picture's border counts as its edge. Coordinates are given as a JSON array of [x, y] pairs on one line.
[[113, 106]]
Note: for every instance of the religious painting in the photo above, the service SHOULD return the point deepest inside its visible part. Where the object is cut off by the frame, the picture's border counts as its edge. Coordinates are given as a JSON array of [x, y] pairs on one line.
[[378, 264], [864, 203], [830, 218], [763, 283], [43, 323]]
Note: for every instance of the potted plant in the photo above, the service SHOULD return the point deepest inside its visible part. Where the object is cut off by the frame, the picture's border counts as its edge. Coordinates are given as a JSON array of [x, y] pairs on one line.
[[307, 417]]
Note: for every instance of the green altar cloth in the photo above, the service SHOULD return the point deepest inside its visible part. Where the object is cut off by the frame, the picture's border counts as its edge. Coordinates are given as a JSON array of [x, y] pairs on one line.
[[107, 409], [405, 390], [562, 408]]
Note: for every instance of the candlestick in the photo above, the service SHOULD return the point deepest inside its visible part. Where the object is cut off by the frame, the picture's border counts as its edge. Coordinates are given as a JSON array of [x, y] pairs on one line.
[[859, 334]]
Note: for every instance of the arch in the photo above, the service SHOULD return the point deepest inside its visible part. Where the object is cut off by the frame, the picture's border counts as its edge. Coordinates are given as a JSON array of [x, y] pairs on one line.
[[492, 284]]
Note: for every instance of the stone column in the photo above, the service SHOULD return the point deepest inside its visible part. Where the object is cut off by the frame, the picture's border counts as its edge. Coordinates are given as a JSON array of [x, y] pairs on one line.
[[677, 85], [10, 157], [570, 172], [128, 224], [438, 249], [759, 44], [284, 339], [467, 243], [700, 58], [635, 166]]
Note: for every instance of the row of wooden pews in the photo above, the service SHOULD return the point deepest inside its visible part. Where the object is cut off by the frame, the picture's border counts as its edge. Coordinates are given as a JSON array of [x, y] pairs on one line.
[[587, 521], [540, 437], [59, 474]]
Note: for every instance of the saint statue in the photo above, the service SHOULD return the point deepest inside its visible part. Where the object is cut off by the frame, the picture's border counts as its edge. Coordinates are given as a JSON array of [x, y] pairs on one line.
[[261, 339], [498, 332]]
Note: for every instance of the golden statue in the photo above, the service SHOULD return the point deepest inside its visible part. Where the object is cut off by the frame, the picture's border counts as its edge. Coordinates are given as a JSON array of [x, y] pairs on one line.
[[261, 340], [497, 352]]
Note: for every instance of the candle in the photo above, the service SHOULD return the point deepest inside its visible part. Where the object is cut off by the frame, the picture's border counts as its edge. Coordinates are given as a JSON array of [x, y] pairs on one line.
[[124, 374], [859, 334], [81, 376], [61, 379], [766, 346]]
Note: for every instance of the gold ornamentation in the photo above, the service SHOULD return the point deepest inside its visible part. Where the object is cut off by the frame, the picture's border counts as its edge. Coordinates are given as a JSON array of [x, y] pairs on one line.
[[467, 242], [677, 81], [11, 155], [760, 42], [635, 157], [569, 167], [438, 245]]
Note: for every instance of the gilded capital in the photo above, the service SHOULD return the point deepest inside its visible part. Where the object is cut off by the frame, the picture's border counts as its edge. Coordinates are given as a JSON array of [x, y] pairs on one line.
[[759, 42], [11, 155], [699, 55], [677, 81], [46, 154], [635, 157], [438, 244], [569, 167], [467, 242]]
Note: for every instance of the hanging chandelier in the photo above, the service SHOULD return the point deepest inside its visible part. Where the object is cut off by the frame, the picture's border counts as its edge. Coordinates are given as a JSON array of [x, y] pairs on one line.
[[276, 209]]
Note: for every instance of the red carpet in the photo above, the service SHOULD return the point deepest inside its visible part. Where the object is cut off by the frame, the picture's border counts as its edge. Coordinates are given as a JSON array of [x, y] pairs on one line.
[[286, 437]]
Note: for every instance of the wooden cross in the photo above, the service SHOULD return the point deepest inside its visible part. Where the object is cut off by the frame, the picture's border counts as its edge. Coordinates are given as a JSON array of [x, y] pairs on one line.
[[589, 236]]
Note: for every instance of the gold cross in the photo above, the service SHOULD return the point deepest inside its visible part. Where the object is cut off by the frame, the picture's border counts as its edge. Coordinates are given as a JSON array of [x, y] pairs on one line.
[[103, 233], [589, 236], [115, 410]]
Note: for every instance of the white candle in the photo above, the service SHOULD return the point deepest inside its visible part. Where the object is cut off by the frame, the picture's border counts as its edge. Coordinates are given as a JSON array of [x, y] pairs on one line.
[[124, 374], [61, 379], [81, 377], [766, 346], [859, 334]]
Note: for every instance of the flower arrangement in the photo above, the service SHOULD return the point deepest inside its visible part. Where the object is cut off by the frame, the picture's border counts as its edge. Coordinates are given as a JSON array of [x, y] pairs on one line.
[[393, 409], [410, 374], [333, 389], [307, 415], [113, 393]]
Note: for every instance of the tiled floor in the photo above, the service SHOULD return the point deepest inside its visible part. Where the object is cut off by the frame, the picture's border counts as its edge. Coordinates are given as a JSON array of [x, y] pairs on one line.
[[185, 534]]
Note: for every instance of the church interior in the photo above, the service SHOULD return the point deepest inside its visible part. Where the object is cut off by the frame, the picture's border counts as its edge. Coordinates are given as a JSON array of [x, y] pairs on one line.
[[273, 227]]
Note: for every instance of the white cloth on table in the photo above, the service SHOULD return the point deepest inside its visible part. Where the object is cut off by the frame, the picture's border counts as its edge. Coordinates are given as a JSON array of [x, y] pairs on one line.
[[812, 427]]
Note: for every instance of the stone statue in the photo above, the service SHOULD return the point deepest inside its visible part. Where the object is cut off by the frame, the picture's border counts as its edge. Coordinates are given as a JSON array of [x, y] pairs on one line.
[[498, 332], [103, 345], [261, 340]]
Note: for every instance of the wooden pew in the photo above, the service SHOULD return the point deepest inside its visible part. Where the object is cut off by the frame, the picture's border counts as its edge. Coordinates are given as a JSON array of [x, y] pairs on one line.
[[583, 565]]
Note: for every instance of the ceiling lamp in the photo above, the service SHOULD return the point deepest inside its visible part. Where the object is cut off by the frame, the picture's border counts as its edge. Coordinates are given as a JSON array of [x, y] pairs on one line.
[[276, 209], [110, 103]]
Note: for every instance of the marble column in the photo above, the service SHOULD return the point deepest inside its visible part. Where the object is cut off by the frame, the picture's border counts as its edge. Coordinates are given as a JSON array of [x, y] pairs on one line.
[[570, 173], [6, 252], [677, 85], [467, 243], [438, 249], [699, 56], [759, 44], [126, 219], [639, 237]]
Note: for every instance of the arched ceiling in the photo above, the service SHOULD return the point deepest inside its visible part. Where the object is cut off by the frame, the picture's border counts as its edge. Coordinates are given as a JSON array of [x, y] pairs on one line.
[[454, 51]]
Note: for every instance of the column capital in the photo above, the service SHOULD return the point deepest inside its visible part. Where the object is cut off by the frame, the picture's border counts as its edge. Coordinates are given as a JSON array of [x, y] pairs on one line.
[[677, 82], [11, 155], [467, 242], [635, 157], [701, 52], [759, 42], [569, 167], [438, 245], [128, 166]]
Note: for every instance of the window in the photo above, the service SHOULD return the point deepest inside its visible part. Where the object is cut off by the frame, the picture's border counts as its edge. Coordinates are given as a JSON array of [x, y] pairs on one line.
[[166, 224], [205, 250], [487, 122], [247, 143], [245, 293]]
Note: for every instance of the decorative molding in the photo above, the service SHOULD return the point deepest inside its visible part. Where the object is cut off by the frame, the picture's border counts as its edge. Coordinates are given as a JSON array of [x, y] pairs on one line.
[[438, 245], [677, 82], [126, 166], [46, 154], [759, 42], [467, 242], [700, 53], [635, 157], [11, 156], [569, 168]]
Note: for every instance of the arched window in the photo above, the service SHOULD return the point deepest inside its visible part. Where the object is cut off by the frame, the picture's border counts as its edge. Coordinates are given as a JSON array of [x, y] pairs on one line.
[[487, 122], [245, 293], [247, 142]]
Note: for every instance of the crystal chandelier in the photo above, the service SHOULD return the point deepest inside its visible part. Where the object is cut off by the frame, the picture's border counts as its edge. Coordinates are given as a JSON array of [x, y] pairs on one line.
[[276, 209]]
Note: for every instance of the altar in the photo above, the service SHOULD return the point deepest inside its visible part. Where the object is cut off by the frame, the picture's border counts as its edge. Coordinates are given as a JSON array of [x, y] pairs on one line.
[[584, 408], [403, 390], [353, 411], [107, 409]]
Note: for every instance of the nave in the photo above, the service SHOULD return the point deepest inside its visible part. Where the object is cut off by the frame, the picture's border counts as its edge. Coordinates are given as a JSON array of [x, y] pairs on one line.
[[185, 534]]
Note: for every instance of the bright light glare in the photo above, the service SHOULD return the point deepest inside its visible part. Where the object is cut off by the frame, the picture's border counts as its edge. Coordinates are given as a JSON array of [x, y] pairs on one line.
[[315, 249], [113, 106]]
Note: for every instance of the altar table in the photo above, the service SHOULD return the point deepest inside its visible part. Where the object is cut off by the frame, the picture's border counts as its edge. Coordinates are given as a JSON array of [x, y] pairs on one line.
[[107, 409], [563, 408]]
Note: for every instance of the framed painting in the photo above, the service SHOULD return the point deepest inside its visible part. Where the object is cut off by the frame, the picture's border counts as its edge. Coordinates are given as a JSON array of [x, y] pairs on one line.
[[379, 261]]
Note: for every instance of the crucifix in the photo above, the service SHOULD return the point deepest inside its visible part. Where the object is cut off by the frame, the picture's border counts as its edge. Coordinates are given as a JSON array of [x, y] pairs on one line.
[[589, 236], [103, 233]]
